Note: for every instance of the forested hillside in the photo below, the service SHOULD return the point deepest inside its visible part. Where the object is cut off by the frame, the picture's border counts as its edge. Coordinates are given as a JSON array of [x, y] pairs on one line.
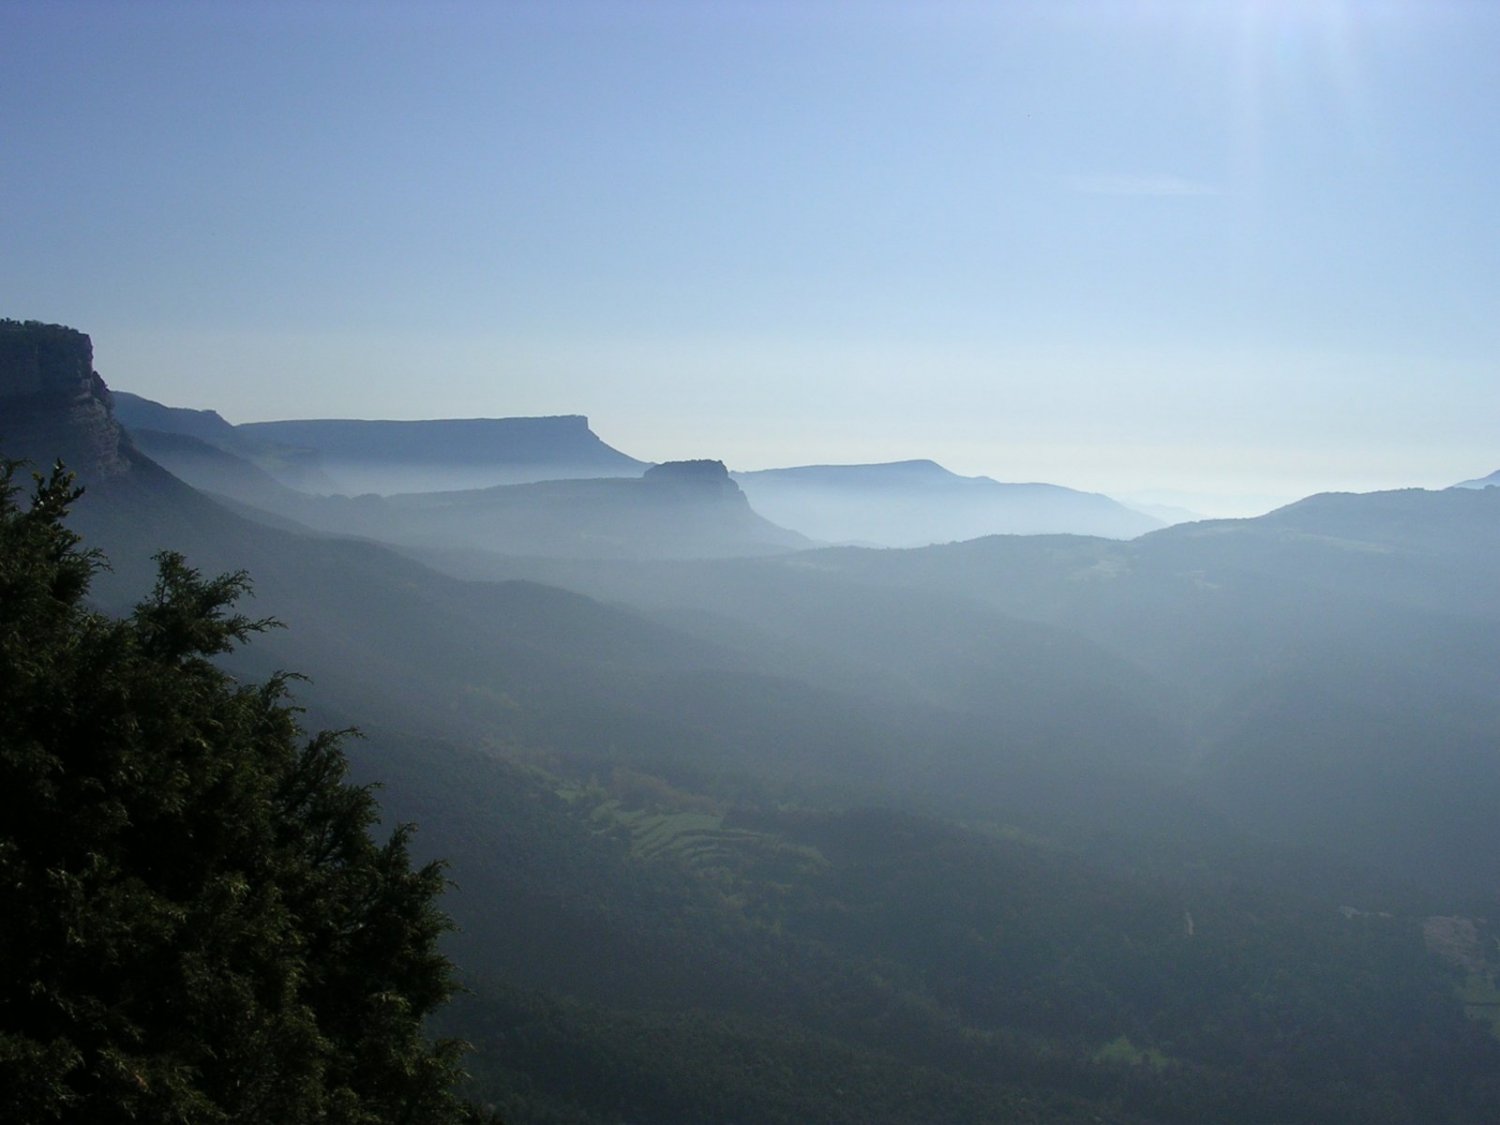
[[196, 923]]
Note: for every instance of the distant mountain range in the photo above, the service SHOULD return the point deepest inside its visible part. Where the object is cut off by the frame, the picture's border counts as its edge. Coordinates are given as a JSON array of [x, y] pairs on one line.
[[906, 503], [1047, 828], [1491, 481], [1217, 643], [354, 457], [680, 509], [914, 503], [675, 510]]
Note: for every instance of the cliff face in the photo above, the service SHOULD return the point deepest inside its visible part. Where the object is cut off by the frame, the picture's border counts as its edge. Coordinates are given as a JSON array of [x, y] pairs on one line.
[[54, 405], [700, 478]]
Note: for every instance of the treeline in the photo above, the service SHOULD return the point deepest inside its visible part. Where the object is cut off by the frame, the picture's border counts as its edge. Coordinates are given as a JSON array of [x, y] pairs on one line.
[[196, 923]]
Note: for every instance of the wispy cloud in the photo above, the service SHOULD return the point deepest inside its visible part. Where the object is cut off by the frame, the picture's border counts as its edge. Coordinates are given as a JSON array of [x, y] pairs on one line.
[[1138, 185]]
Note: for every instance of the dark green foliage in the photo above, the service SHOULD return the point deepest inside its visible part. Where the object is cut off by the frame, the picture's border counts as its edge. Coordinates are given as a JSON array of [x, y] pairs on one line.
[[195, 924], [634, 963]]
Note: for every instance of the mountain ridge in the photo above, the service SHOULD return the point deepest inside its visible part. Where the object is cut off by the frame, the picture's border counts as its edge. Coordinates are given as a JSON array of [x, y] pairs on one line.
[[353, 456], [389, 456], [1490, 481], [917, 502]]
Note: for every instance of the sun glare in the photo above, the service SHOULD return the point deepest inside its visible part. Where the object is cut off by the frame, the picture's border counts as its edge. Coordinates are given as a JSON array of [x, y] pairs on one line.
[[1297, 72]]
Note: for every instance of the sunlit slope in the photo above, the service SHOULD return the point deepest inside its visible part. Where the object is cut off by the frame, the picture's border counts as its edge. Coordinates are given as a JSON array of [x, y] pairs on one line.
[[869, 964]]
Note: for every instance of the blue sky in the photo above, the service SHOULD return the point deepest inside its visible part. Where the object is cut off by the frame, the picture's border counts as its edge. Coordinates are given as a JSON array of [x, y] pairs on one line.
[[1234, 248]]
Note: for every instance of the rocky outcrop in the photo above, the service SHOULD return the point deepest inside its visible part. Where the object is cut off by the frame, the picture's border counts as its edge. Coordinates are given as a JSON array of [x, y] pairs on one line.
[[53, 404], [699, 477]]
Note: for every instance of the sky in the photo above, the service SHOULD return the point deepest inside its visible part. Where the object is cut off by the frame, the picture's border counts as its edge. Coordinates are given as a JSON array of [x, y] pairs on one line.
[[1225, 253]]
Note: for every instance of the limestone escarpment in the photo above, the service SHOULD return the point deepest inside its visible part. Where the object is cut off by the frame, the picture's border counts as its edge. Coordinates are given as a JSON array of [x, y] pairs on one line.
[[53, 404], [701, 477], [355, 456]]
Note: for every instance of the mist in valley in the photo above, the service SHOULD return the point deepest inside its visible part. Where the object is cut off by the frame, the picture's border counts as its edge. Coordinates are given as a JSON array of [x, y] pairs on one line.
[[756, 480]]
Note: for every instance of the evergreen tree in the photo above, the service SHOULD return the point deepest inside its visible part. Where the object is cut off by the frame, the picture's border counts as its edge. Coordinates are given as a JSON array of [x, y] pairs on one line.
[[195, 923]]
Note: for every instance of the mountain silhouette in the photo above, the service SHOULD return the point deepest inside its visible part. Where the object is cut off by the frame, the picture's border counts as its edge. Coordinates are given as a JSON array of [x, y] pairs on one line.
[[914, 503]]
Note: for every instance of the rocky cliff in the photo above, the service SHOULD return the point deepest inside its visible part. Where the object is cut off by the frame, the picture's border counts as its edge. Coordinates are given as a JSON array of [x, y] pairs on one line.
[[54, 405], [695, 478]]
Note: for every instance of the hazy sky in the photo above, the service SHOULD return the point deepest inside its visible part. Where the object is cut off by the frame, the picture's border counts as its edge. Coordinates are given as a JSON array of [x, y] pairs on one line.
[[1238, 246]]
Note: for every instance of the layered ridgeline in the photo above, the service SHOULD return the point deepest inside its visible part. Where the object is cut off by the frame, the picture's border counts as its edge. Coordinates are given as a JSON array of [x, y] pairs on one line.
[[1322, 675], [354, 457], [580, 499], [448, 454], [901, 504], [914, 503], [1491, 481], [880, 836]]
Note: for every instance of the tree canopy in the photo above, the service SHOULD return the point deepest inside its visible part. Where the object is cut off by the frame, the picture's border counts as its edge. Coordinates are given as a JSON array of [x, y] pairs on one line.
[[195, 922]]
